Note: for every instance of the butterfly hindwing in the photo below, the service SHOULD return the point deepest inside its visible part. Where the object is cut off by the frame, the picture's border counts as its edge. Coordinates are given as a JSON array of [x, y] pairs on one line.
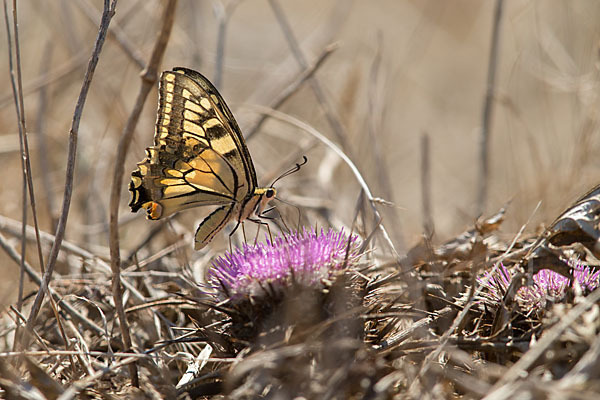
[[211, 225]]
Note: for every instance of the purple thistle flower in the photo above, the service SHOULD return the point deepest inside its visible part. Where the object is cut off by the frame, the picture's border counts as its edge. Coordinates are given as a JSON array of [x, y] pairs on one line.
[[547, 285], [304, 258]]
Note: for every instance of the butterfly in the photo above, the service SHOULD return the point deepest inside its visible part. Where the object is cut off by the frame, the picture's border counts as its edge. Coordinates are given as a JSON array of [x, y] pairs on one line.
[[199, 158]]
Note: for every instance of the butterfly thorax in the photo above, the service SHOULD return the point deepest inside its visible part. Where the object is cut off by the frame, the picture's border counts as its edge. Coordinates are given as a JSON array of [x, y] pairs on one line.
[[256, 204]]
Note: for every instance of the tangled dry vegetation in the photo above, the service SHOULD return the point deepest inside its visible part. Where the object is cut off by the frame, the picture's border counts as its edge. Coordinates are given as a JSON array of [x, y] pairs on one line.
[[483, 315], [424, 325]]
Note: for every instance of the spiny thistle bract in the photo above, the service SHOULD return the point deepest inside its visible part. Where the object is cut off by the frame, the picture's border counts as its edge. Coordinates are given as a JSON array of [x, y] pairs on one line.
[[295, 280]]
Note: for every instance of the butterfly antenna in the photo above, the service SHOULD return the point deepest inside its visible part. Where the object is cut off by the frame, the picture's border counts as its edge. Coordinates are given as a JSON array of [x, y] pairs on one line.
[[292, 170]]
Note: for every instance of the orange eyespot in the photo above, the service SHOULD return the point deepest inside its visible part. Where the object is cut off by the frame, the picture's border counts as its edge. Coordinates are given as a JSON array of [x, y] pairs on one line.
[[153, 209]]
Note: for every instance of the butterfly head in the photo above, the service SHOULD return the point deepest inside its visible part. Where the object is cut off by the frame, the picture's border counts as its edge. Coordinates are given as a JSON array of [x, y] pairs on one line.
[[266, 195], [270, 193], [262, 196]]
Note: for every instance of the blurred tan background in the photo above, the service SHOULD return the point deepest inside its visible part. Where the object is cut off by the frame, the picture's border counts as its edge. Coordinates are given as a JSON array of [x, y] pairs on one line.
[[401, 69]]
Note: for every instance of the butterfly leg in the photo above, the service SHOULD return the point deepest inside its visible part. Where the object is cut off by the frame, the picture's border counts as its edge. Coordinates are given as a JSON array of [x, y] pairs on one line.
[[244, 232], [284, 224], [256, 236], [269, 229], [235, 229], [263, 216], [259, 222]]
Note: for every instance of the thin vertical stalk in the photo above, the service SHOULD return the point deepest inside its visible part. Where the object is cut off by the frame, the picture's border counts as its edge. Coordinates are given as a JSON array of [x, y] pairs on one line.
[[222, 13], [23, 168], [484, 149], [149, 77], [40, 128], [426, 186], [108, 13], [17, 88]]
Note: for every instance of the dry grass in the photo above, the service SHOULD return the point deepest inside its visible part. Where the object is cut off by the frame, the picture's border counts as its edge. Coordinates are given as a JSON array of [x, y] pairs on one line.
[[398, 71]]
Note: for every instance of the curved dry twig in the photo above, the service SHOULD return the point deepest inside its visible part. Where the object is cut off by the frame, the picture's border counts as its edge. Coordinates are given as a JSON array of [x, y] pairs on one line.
[[332, 118], [26, 167], [292, 88], [359, 178]]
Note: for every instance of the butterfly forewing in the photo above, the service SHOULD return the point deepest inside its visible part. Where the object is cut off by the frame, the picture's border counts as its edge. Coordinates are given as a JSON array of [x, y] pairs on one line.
[[228, 142]]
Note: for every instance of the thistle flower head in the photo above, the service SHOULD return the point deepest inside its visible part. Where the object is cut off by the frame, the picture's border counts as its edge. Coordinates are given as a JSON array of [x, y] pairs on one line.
[[548, 286], [305, 258]]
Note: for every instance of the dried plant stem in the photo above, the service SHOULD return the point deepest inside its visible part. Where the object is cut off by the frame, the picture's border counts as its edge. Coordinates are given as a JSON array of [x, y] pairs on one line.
[[222, 13], [78, 386], [25, 158], [484, 150], [402, 335], [292, 88], [105, 354], [413, 388], [149, 77], [332, 118], [22, 150], [474, 291], [12, 227], [540, 347], [428, 227], [589, 364], [375, 117], [43, 164], [109, 11], [114, 31], [30, 271]]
